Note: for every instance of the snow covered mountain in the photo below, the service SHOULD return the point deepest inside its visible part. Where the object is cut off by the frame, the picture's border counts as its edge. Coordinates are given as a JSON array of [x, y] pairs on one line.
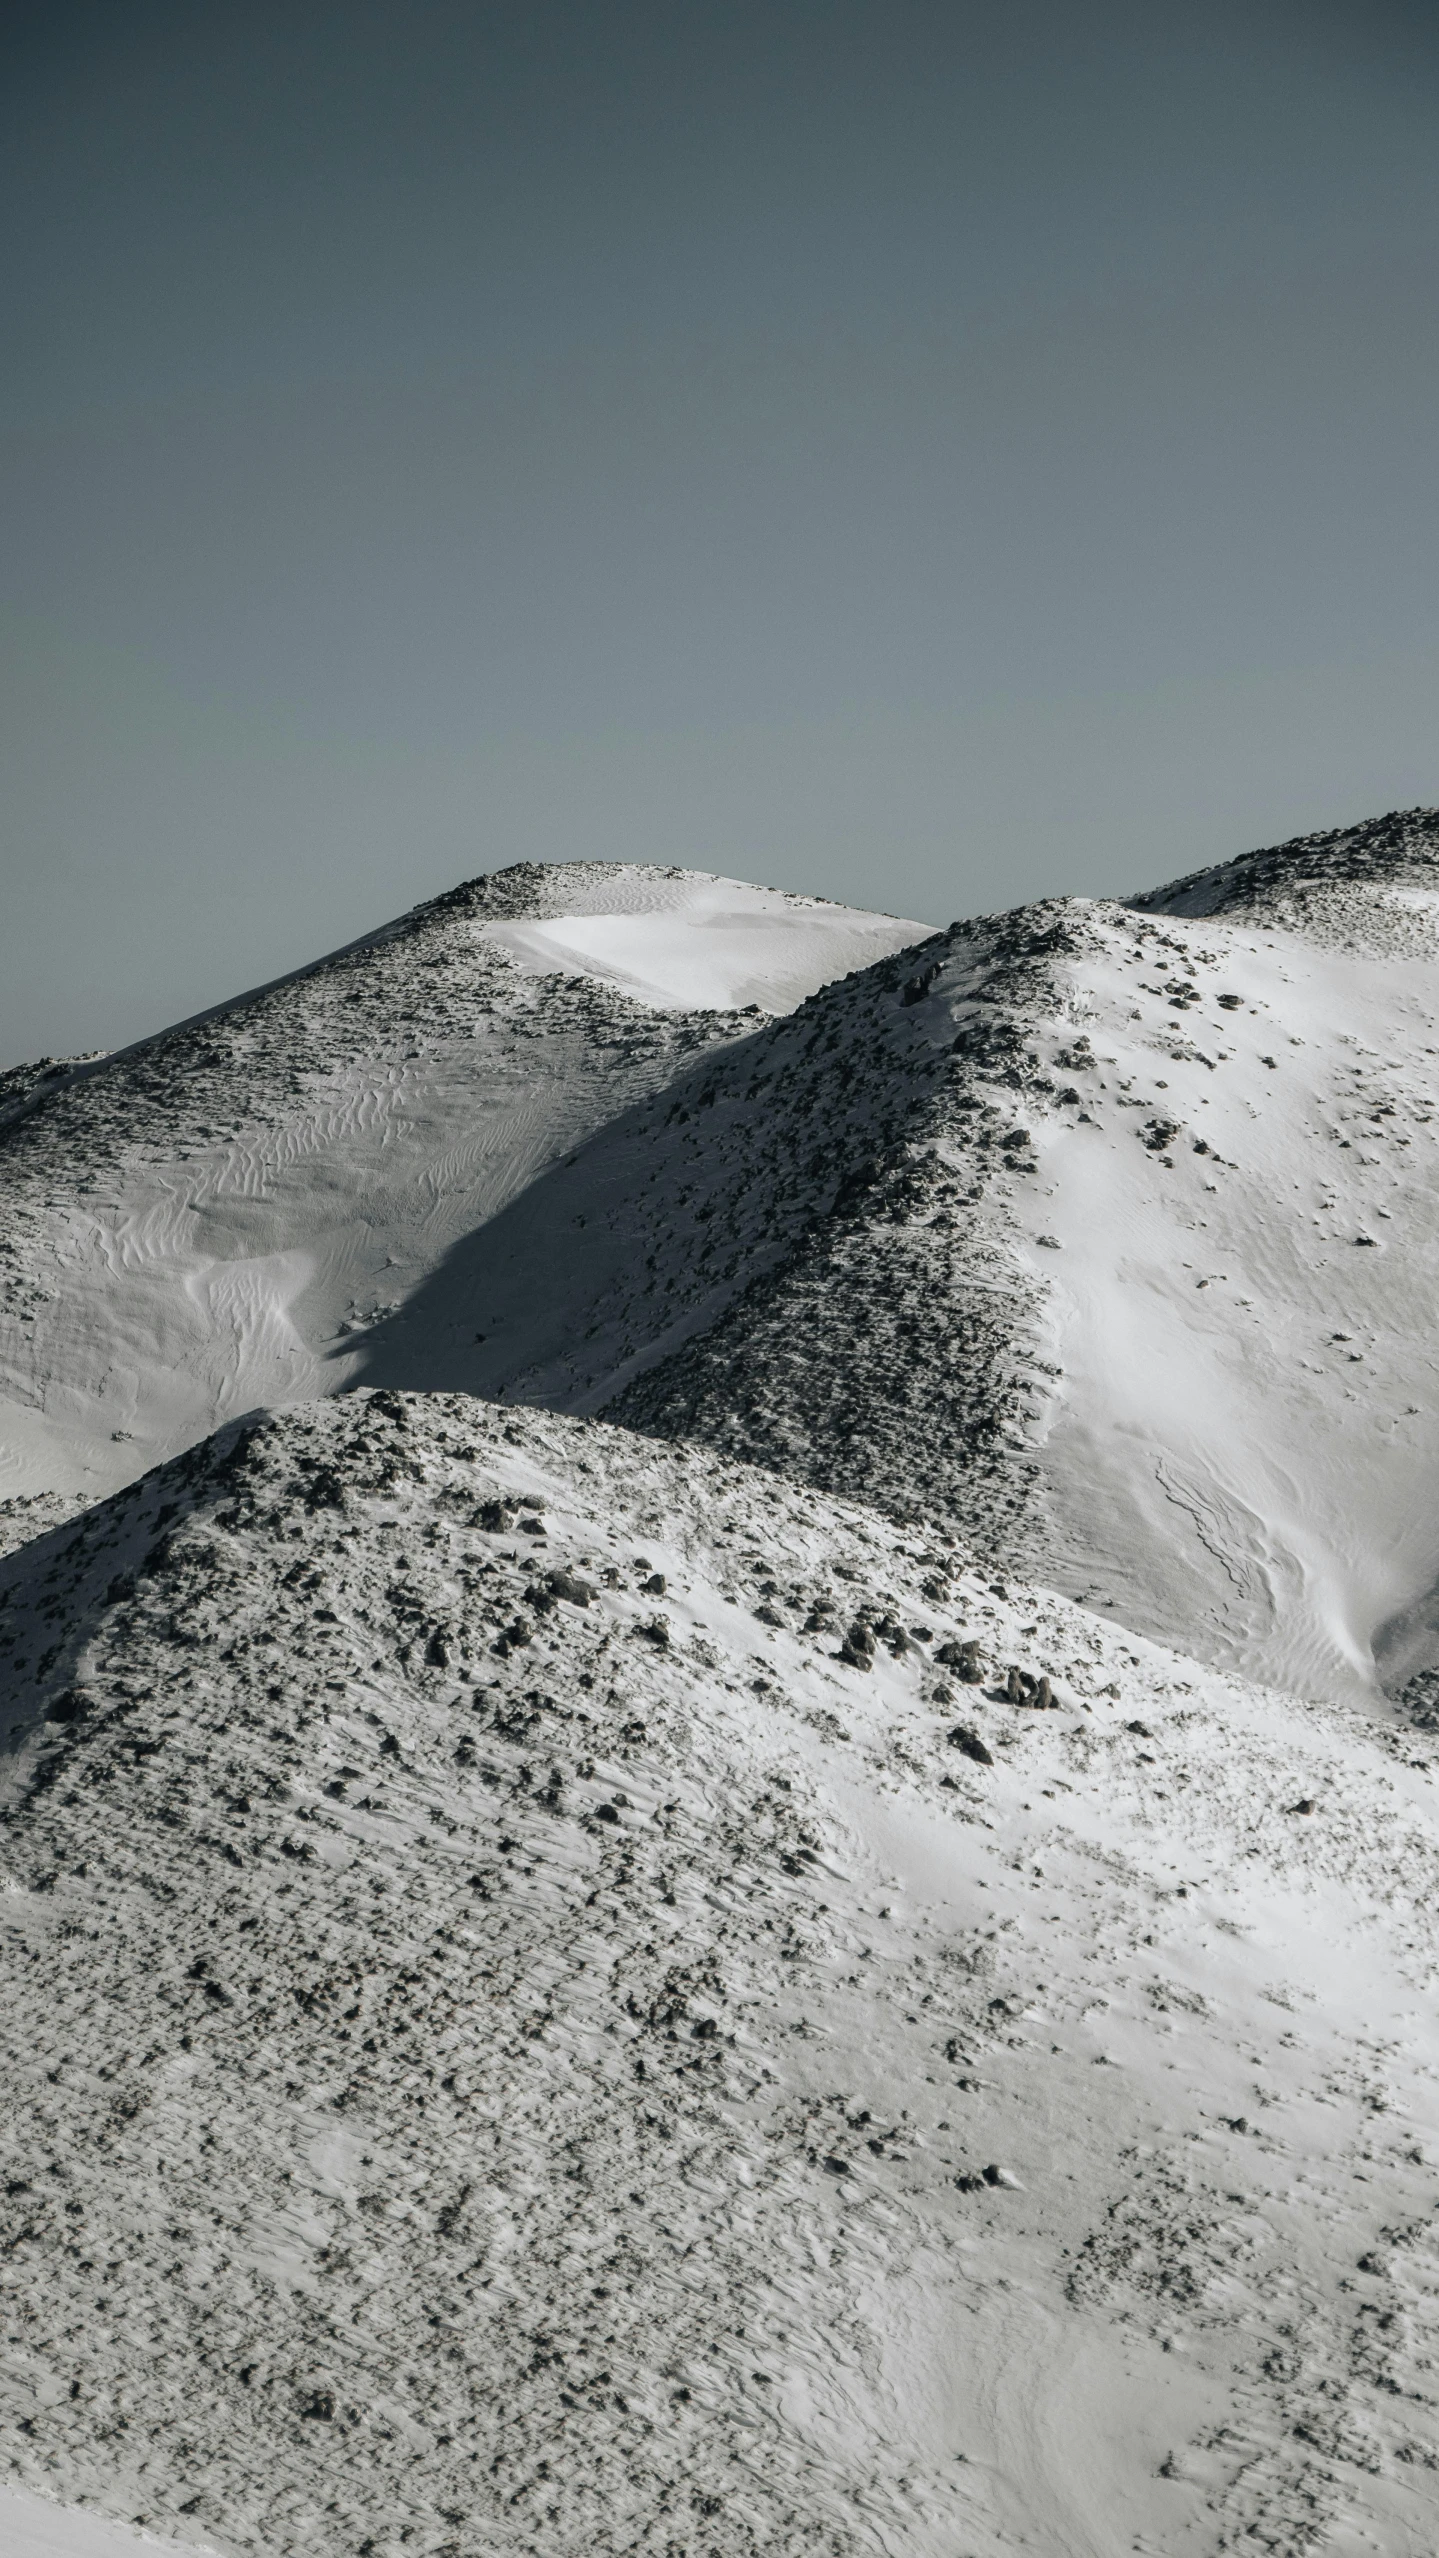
[[1104, 1230], [744, 1880], [1051, 1223], [1169, 1189], [210, 1220]]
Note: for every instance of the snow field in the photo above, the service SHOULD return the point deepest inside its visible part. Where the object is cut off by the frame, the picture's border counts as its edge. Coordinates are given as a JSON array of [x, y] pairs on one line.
[[505, 2054], [681, 940]]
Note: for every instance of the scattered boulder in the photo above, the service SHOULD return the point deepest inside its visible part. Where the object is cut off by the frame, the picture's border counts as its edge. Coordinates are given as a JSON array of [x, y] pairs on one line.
[[916, 988], [965, 1738], [569, 1585], [70, 1707], [963, 1657]]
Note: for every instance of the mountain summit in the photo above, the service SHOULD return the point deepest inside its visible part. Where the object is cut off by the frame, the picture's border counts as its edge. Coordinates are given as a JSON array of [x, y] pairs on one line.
[[1136, 1286], [212, 1219]]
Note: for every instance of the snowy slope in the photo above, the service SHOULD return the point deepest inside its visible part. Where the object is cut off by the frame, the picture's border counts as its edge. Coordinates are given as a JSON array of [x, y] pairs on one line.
[[32, 2527], [648, 1233], [1244, 1449], [568, 1991], [503, 2055], [1022, 1223], [1139, 1285], [680, 939], [212, 1220]]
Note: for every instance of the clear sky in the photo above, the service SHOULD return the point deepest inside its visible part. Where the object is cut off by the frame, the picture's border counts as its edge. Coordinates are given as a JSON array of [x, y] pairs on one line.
[[928, 454]]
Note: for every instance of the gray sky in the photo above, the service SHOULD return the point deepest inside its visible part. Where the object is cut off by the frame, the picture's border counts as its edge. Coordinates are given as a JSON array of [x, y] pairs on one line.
[[926, 454]]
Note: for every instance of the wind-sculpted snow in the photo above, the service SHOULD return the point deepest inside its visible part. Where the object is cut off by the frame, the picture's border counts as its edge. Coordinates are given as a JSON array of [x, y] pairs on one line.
[[216, 1218], [568, 1995]]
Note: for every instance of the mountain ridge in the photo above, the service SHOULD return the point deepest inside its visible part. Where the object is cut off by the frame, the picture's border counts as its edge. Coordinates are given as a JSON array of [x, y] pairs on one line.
[[783, 1253]]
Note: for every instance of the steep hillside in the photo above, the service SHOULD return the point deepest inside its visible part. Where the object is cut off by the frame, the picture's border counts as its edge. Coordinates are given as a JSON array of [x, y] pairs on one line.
[[667, 1219], [1102, 1230], [569, 1996], [1139, 1289], [212, 1220]]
